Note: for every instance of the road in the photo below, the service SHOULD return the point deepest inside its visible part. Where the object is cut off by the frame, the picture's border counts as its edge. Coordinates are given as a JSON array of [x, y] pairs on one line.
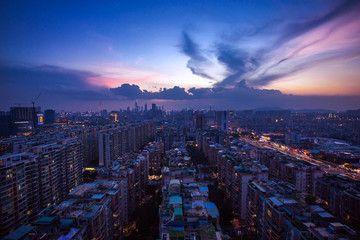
[[324, 166]]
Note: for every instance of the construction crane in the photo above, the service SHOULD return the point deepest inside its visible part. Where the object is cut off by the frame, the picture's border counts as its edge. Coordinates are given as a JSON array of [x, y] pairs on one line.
[[34, 112], [34, 101]]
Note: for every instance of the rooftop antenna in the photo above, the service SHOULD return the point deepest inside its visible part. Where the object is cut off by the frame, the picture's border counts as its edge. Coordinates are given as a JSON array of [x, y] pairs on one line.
[[19, 104]]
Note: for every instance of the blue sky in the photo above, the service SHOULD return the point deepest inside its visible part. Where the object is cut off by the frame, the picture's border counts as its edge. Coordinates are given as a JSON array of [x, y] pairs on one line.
[[296, 48]]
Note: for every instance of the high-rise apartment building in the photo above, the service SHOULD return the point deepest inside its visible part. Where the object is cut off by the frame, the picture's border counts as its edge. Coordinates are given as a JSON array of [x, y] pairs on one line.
[[276, 211], [49, 165], [116, 141], [72, 165], [13, 202]]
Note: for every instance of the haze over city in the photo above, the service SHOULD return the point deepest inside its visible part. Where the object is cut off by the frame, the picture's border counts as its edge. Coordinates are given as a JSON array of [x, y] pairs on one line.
[[178, 54]]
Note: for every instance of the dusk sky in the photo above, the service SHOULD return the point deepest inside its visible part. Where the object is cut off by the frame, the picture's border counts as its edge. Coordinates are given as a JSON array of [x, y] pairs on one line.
[[227, 54]]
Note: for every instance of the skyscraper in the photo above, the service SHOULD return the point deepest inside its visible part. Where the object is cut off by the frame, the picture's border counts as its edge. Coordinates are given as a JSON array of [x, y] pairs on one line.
[[200, 121], [222, 120]]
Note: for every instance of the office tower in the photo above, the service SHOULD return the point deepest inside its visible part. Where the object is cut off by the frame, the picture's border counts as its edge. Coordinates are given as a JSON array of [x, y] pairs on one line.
[[104, 113], [136, 106], [114, 117], [49, 116], [153, 110], [222, 120], [200, 121], [231, 114]]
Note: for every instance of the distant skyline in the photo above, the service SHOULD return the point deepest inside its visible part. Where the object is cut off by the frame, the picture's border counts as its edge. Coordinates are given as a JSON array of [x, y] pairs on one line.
[[227, 54]]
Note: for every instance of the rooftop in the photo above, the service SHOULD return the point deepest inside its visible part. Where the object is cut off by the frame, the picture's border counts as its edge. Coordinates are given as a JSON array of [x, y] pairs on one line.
[[19, 233]]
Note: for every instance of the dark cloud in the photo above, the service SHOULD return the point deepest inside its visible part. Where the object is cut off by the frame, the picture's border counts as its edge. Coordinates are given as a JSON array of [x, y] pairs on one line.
[[24, 82], [253, 65], [200, 92], [310, 62], [251, 30], [237, 62], [134, 92], [47, 77], [197, 59], [129, 91], [241, 96], [296, 29], [175, 93], [234, 59], [197, 70], [291, 56], [230, 80], [190, 48], [66, 88]]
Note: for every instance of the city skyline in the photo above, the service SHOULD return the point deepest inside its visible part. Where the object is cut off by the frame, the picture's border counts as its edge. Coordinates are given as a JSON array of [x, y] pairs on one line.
[[233, 55]]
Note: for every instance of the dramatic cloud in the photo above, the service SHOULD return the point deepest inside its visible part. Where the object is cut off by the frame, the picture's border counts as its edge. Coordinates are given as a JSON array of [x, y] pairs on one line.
[[176, 93], [197, 60], [299, 28], [236, 61], [129, 91], [61, 87], [282, 49], [23, 83], [240, 96], [134, 92]]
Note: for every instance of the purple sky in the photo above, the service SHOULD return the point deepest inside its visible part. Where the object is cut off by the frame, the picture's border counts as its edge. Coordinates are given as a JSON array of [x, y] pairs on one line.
[[232, 54]]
